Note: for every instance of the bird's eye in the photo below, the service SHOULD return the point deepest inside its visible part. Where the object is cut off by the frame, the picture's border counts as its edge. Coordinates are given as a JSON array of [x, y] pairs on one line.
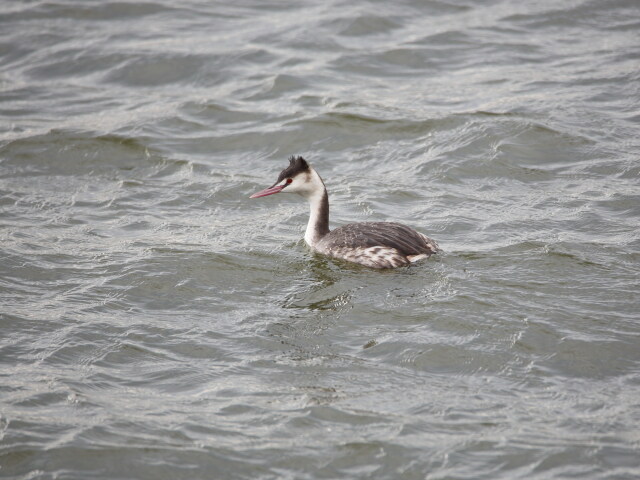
[[289, 181]]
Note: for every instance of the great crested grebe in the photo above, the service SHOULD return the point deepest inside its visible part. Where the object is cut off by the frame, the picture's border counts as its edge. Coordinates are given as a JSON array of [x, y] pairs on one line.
[[373, 244]]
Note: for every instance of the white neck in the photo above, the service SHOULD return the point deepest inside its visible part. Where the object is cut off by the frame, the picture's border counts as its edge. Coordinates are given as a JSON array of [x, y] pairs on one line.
[[318, 225]]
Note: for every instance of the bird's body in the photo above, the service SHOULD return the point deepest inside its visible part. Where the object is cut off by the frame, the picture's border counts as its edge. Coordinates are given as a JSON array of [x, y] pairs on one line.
[[373, 244], [377, 244]]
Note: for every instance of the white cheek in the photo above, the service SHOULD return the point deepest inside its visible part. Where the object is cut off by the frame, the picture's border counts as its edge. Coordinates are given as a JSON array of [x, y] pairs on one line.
[[294, 187]]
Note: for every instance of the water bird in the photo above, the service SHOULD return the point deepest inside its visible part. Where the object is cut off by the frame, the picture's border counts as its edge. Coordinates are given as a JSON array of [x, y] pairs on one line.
[[373, 244]]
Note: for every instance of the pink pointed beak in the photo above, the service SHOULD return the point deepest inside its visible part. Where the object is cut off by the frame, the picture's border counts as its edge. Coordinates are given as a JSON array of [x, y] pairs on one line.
[[268, 191]]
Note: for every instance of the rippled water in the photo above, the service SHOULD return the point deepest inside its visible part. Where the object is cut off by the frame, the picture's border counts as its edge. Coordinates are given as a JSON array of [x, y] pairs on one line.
[[156, 323]]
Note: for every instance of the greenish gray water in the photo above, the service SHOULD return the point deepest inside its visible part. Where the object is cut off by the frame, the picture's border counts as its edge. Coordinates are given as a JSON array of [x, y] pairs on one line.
[[156, 323]]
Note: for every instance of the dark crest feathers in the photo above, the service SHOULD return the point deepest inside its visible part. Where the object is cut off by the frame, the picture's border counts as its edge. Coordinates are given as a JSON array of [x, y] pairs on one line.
[[296, 165]]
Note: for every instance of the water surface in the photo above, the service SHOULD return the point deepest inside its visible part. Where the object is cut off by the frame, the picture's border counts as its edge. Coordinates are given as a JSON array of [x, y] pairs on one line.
[[156, 323]]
